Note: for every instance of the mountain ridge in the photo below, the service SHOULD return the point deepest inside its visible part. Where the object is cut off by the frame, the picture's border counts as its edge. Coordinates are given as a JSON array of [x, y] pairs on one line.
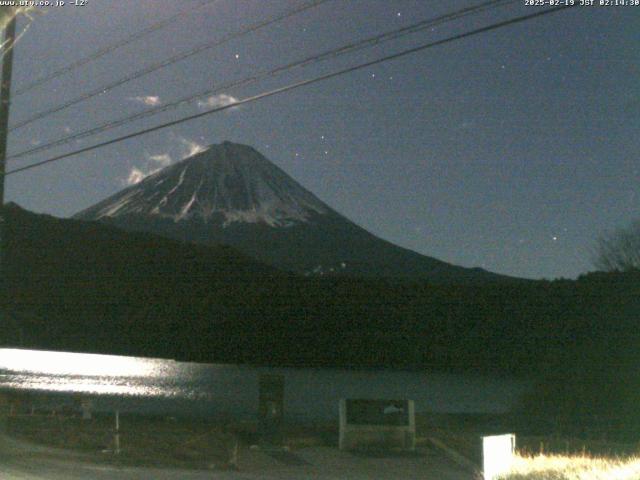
[[231, 194]]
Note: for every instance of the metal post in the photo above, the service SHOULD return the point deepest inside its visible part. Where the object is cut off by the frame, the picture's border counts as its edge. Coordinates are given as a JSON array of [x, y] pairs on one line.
[[233, 456], [5, 104], [117, 434]]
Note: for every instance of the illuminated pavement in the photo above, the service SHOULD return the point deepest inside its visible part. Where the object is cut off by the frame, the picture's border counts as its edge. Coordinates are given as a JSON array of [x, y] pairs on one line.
[[19, 461]]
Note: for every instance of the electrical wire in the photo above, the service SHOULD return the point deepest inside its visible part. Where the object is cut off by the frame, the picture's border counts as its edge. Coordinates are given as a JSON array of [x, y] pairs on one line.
[[165, 63], [296, 85], [329, 54], [110, 48]]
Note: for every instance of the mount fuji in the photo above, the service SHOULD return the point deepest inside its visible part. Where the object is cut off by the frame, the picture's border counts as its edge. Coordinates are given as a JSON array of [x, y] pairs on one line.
[[231, 194]]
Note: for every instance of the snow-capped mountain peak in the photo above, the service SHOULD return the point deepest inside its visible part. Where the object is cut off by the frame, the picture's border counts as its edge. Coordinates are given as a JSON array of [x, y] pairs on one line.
[[231, 195], [226, 183]]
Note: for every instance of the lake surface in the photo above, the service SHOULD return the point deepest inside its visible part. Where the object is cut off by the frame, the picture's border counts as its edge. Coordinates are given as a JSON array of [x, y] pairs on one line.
[[165, 386]]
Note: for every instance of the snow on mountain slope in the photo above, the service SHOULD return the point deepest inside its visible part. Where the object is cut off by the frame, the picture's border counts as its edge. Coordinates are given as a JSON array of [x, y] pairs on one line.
[[230, 182], [232, 195]]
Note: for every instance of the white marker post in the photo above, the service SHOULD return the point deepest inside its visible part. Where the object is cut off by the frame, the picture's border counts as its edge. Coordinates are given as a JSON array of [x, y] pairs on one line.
[[498, 452]]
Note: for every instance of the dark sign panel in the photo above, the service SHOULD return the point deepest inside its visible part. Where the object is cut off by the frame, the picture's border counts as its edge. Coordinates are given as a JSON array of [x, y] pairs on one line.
[[378, 412], [271, 408]]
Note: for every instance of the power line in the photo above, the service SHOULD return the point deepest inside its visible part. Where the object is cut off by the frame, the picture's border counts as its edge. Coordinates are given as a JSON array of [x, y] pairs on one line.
[[328, 54], [294, 86], [371, 41], [165, 63], [110, 48]]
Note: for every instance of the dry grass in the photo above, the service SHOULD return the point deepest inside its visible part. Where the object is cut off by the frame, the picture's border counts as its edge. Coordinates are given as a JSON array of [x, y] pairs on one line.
[[578, 447], [560, 467]]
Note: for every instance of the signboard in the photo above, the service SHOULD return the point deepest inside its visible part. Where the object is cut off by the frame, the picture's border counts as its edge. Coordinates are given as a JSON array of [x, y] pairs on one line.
[[271, 408], [373, 423], [378, 412]]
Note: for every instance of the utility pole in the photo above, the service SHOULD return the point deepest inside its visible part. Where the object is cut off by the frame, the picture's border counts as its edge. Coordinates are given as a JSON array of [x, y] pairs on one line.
[[5, 90], [5, 100], [5, 104]]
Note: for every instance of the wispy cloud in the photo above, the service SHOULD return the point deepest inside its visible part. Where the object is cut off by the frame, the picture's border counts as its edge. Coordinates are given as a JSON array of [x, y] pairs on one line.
[[164, 159], [191, 147], [149, 100], [135, 176], [153, 163], [215, 101]]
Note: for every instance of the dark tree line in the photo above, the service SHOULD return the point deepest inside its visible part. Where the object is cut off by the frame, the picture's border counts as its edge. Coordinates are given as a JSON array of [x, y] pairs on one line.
[[619, 250]]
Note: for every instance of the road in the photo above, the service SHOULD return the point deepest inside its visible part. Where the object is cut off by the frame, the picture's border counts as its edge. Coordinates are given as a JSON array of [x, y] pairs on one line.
[[21, 461]]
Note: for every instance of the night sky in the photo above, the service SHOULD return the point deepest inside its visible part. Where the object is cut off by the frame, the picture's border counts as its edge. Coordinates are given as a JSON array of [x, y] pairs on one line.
[[512, 150]]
